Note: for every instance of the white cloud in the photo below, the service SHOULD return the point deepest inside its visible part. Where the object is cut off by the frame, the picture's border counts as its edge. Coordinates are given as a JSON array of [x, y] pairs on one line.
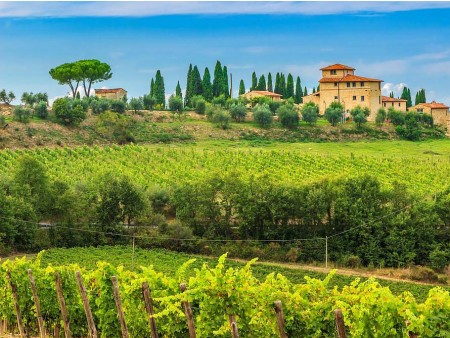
[[397, 88], [154, 8]]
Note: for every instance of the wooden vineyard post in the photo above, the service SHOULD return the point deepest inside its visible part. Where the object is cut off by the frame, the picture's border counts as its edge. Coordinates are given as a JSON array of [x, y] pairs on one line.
[[233, 326], [16, 304], [149, 309], [411, 334], [87, 308], [123, 324], [340, 327], [62, 305], [56, 331], [37, 304], [189, 315], [280, 318]]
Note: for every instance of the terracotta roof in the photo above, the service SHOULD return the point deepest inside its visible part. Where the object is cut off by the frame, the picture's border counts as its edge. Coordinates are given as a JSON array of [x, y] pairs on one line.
[[391, 99], [266, 93], [349, 78], [337, 66], [112, 90], [433, 105]]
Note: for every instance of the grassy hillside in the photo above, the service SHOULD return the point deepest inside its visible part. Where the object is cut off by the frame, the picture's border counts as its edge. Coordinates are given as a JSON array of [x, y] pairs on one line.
[[154, 127]]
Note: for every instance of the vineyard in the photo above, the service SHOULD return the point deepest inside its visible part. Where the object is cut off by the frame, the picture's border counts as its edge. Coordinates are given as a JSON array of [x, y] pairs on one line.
[[149, 166], [218, 301]]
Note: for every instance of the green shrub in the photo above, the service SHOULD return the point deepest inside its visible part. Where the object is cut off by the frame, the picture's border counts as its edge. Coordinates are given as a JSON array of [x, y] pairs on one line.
[[22, 114], [352, 261], [396, 117], [175, 104], [67, 113], [118, 106], [262, 115], [238, 112], [220, 100], [40, 110], [310, 113], [288, 116], [424, 274], [381, 116], [221, 118], [99, 106], [200, 107], [439, 259]]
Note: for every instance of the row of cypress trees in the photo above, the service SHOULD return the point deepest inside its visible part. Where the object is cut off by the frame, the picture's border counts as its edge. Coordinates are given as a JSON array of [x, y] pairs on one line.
[[196, 85], [406, 95], [283, 86]]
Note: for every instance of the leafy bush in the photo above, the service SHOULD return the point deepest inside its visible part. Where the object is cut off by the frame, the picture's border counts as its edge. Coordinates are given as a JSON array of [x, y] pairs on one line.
[[115, 127], [288, 116], [310, 113], [220, 117], [220, 100], [262, 115], [359, 115], [381, 116], [334, 113], [439, 259], [424, 274], [118, 106], [200, 107], [136, 104], [22, 114], [427, 120], [149, 102], [175, 104], [274, 105], [396, 117], [99, 106], [238, 112], [67, 113], [40, 110]]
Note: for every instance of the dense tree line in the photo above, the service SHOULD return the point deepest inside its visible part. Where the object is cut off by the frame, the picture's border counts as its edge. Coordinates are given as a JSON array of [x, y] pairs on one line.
[[381, 226]]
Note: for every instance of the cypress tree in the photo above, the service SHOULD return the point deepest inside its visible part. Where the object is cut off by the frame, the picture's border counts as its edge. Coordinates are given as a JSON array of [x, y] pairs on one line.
[[424, 98], [188, 94], [409, 102], [178, 91], [207, 86], [391, 94], [417, 100], [216, 86], [289, 87], [196, 81], [254, 82], [277, 84], [241, 87], [298, 91], [318, 87], [283, 85], [269, 83], [305, 92], [262, 83], [420, 96], [160, 92], [225, 87], [314, 90], [152, 88]]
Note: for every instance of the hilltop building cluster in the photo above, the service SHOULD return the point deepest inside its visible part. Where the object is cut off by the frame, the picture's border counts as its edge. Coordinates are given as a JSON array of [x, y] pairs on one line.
[[340, 83]]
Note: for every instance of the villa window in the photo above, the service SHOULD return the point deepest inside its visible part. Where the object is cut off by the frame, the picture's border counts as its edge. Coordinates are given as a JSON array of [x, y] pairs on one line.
[[335, 84], [354, 98], [348, 84], [362, 84], [354, 84], [333, 72], [384, 104], [335, 97], [399, 104], [362, 98]]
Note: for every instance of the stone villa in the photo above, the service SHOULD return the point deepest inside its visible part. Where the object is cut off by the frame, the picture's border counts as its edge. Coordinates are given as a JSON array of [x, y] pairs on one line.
[[260, 93], [439, 111], [339, 83], [111, 94]]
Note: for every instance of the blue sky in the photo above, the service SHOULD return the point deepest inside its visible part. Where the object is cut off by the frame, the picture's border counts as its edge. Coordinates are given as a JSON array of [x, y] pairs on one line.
[[398, 42]]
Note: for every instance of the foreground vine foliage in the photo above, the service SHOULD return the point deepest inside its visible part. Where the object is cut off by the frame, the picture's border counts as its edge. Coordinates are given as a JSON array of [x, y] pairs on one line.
[[216, 292]]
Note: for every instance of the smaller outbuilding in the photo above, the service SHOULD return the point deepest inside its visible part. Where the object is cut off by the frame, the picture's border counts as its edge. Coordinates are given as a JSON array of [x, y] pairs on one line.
[[438, 111], [262, 93], [111, 94], [397, 104]]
